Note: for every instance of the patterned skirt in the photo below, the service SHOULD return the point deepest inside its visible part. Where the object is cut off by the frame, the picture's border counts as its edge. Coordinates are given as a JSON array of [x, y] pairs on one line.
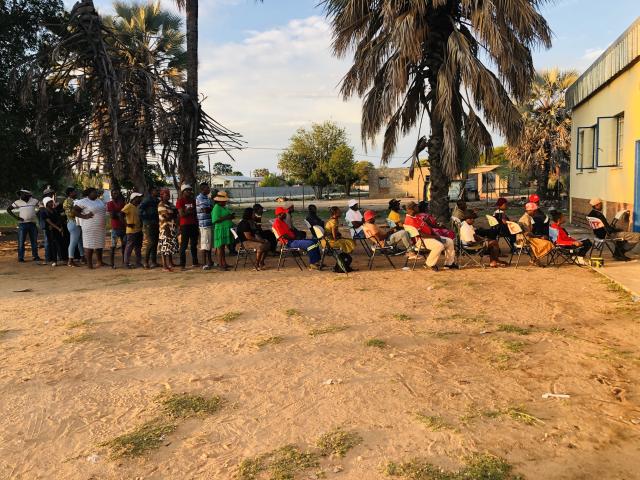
[[168, 240]]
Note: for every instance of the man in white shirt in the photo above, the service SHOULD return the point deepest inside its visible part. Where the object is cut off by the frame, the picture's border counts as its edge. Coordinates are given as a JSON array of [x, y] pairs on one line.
[[26, 206], [470, 240], [354, 219]]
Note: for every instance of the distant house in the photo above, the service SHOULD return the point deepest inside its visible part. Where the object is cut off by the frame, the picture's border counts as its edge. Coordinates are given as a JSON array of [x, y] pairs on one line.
[[234, 181], [486, 181], [605, 131]]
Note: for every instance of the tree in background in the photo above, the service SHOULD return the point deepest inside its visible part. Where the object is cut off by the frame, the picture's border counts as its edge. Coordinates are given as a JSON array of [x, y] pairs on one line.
[[340, 168], [545, 148], [222, 169], [272, 180], [361, 170], [261, 172], [237, 173], [26, 29], [439, 57], [309, 154]]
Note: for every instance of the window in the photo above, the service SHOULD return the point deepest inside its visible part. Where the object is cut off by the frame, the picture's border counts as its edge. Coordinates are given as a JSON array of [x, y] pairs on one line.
[[620, 142], [585, 157]]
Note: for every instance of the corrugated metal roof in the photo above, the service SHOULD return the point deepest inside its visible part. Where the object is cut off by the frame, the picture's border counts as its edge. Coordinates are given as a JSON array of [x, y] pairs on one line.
[[624, 52]]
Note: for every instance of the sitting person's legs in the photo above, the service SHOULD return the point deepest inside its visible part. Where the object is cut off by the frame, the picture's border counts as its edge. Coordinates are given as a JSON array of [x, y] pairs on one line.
[[400, 239], [310, 247], [435, 248]]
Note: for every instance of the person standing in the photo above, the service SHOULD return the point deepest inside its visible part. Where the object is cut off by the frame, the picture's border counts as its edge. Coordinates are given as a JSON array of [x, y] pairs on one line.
[[53, 229], [92, 212], [186, 206], [203, 210], [51, 193], [75, 235], [168, 237], [130, 215], [221, 218], [26, 206], [118, 228], [150, 227]]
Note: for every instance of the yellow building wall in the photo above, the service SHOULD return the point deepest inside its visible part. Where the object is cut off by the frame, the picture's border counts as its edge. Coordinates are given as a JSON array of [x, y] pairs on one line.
[[615, 185]]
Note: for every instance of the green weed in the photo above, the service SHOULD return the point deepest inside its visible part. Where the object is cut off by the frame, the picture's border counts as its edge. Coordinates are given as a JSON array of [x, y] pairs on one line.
[[269, 341], [329, 329], [513, 329], [376, 342], [282, 464], [148, 436], [477, 467], [434, 423], [338, 442], [182, 405]]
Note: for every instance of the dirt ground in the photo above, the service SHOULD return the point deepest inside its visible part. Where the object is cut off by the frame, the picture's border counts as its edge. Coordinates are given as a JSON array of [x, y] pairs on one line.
[[434, 366]]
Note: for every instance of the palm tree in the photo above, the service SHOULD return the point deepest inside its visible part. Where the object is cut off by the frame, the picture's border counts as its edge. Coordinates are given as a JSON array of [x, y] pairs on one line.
[[188, 164], [438, 57], [544, 148]]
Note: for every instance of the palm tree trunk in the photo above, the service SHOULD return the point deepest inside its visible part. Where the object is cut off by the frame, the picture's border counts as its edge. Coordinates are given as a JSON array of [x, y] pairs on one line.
[[189, 161]]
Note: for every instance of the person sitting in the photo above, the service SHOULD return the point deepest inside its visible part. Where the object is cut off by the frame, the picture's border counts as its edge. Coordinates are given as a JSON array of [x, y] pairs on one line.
[[430, 220], [313, 219], [300, 235], [502, 229], [433, 242], [394, 213], [535, 225], [335, 239], [398, 239], [472, 241], [251, 237], [288, 236], [258, 211], [626, 240], [354, 219], [565, 240]]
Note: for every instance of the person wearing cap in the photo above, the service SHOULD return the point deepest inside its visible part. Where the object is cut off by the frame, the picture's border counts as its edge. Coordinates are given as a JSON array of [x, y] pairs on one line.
[[288, 236], [186, 206], [150, 227], [300, 235], [258, 211], [534, 198], [313, 219], [501, 216], [75, 235], [118, 227], [130, 215], [334, 237], [54, 231], [535, 225], [354, 219], [250, 236], [399, 239], [26, 207], [92, 212], [432, 241], [168, 236], [631, 239], [472, 241], [394, 213], [203, 211], [221, 217]]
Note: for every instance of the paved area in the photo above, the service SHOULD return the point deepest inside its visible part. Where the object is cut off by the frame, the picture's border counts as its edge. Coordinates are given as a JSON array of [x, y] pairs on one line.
[[626, 274]]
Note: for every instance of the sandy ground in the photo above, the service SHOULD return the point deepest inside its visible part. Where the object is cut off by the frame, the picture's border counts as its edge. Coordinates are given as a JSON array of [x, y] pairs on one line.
[[149, 333]]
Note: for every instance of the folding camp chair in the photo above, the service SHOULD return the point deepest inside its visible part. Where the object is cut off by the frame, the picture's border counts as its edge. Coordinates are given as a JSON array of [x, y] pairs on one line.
[[495, 225], [327, 249], [243, 251], [562, 254], [607, 241], [521, 246], [418, 245], [285, 251], [466, 252], [383, 248]]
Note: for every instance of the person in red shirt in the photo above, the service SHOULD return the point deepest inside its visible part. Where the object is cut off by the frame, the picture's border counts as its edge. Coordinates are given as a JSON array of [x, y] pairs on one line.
[[189, 230], [564, 239], [286, 234], [432, 241], [118, 228]]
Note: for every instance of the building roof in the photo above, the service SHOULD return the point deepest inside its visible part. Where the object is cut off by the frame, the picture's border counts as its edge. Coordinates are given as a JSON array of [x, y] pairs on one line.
[[425, 170], [622, 54], [238, 178]]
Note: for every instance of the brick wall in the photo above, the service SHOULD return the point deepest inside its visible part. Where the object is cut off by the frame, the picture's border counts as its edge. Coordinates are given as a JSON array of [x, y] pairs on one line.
[[580, 208]]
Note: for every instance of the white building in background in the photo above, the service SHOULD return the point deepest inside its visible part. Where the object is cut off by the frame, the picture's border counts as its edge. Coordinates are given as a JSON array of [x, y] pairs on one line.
[[234, 181]]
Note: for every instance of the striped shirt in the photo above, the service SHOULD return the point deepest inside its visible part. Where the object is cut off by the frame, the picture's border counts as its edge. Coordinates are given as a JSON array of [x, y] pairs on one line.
[[203, 209]]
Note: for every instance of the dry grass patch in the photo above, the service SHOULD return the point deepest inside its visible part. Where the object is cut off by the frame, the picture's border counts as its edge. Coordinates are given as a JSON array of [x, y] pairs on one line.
[[269, 341], [435, 423], [477, 467], [401, 317], [227, 317], [78, 324], [338, 442], [183, 405], [329, 329], [292, 312], [285, 463], [514, 329], [138, 442], [376, 342], [514, 346], [79, 338]]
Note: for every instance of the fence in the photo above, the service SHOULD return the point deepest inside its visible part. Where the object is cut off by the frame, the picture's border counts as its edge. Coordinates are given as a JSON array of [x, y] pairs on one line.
[[270, 194]]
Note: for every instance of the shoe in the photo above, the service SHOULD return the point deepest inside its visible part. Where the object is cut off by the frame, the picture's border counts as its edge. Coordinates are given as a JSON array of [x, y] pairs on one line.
[[206, 267], [21, 260], [37, 259], [314, 266], [433, 269], [453, 266], [53, 264]]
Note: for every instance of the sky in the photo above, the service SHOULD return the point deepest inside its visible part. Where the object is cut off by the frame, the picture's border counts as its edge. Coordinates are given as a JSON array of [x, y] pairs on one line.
[[266, 69]]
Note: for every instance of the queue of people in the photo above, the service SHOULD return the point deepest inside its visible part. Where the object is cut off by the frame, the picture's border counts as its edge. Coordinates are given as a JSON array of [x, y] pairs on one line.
[[146, 228]]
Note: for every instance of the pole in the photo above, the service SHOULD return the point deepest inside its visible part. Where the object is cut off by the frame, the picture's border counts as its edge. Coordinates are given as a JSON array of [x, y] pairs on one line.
[[303, 196], [210, 176]]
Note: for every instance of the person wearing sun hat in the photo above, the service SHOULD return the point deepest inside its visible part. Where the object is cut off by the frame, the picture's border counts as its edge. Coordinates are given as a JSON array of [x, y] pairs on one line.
[[630, 239], [222, 217], [287, 235]]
